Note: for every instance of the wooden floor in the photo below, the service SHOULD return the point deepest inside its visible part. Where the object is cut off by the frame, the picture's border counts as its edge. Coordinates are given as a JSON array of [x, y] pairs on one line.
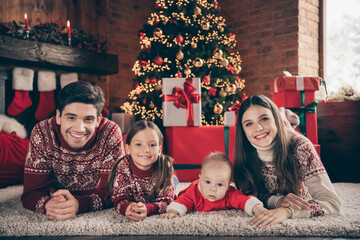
[[168, 238]]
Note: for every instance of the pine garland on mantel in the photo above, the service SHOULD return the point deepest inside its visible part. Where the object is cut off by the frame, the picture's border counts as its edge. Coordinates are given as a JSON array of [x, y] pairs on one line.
[[56, 34]]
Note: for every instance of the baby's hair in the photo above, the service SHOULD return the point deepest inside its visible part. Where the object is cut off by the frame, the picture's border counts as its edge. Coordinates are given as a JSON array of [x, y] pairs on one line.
[[217, 157], [162, 168]]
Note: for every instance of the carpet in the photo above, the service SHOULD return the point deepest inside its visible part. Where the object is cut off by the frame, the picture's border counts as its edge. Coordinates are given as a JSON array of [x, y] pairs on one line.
[[17, 221]]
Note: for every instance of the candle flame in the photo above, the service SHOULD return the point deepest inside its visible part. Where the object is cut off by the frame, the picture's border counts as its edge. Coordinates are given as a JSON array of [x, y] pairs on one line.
[[68, 23], [25, 16]]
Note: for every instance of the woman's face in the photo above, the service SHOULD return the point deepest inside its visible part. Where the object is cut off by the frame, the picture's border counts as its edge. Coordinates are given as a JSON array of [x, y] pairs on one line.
[[259, 125]]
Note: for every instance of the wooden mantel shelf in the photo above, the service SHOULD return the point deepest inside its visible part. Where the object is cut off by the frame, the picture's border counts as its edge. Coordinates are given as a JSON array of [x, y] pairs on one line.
[[56, 57]]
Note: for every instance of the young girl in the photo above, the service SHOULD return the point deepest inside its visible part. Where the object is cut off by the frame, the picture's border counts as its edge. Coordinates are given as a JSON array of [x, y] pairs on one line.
[[279, 166], [141, 182]]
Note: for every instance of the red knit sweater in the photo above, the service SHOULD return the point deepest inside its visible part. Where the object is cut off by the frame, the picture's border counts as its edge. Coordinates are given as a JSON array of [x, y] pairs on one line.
[[51, 164], [132, 184]]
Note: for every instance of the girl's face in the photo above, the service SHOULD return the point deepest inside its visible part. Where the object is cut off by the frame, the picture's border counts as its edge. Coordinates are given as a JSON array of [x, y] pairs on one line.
[[144, 148], [259, 126]]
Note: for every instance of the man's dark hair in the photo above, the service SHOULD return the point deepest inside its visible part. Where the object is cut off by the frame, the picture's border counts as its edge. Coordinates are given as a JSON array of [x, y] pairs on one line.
[[81, 92]]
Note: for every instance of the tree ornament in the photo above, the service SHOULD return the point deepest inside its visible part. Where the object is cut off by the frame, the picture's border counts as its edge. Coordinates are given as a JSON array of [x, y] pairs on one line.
[[136, 84], [237, 69], [198, 62], [144, 101], [151, 105], [158, 87], [165, 21], [158, 60], [205, 25], [197, 11], [206, 79], [218, 53], [228, 89], [221, 29], [194, 45], [224, 62], [153, 80], [187, 71], [179, 39], [233, 88], [180, 55], [218, 108], [178, 75], [147, 80], [157, 32], [222, 93]]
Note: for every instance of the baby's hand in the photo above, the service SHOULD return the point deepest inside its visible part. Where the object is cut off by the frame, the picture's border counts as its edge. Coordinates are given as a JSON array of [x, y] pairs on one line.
[[169, 215]]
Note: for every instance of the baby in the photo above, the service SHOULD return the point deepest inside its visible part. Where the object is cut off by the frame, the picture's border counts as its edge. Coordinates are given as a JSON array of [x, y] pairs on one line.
[[213, 191]]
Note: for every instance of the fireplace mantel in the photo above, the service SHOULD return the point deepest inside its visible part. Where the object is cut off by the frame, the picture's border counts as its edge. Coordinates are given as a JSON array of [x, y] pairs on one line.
[[56, 57]]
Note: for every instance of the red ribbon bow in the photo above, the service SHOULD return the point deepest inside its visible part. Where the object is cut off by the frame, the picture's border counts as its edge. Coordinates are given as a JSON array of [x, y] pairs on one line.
[[184, 98], [235, 107]]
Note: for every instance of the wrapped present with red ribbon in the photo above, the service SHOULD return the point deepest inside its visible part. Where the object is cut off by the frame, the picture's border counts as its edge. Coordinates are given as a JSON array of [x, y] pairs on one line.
[[297, 93], [182, 102], [230, 116], [189, 147]]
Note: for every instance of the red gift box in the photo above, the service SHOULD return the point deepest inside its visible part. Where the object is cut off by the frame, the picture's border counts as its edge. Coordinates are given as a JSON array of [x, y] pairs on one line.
[[190, 145], [298, 94]]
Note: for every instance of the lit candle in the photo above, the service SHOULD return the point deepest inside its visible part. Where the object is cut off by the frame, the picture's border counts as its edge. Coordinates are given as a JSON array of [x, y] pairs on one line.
[[68, 29], [26, 22]]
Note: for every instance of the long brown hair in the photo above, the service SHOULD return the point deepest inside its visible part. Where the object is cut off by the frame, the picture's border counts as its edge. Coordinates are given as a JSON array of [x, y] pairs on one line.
[[162, 167], [248, 166]]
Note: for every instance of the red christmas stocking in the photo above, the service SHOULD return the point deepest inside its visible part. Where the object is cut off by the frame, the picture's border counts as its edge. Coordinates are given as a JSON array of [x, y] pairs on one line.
[[22, 83], [46, 87]]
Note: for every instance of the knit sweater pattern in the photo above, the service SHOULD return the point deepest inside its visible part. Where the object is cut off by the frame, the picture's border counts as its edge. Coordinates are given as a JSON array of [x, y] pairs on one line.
[[51, 164], [132, 184]]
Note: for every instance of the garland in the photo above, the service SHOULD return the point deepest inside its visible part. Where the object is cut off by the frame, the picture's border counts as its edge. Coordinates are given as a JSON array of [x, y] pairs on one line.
[[55, 34]]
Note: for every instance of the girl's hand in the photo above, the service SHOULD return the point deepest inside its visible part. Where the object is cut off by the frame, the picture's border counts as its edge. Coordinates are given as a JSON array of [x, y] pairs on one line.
[[291, 200], [272, 217], [170, 214], [136, 211]]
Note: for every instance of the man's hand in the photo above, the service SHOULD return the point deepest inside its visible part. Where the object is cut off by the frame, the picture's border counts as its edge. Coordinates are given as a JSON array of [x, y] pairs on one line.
[[62, 206], [136, 211]]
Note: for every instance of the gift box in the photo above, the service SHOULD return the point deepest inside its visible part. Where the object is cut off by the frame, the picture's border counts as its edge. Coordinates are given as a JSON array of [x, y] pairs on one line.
[[189, 146], [229, 118], [182, 102], [124, 120], [298, 94]]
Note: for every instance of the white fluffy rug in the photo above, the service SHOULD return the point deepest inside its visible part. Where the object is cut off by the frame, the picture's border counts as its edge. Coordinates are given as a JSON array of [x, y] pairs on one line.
[[16, 221]]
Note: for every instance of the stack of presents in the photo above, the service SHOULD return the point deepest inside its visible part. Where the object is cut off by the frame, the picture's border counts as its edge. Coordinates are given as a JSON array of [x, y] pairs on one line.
[[188, 142]]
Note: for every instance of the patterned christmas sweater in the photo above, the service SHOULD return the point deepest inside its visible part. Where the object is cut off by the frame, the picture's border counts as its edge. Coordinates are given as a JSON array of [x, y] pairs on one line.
[[316, 186], [191, 198], [132, 184], [51, 164]]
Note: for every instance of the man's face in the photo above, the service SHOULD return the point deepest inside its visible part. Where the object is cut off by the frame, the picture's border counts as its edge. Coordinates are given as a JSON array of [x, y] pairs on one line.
[[78, 122]]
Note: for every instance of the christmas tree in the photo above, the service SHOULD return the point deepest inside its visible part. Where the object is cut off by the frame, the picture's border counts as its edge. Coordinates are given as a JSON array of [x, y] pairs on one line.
[[186, 38]]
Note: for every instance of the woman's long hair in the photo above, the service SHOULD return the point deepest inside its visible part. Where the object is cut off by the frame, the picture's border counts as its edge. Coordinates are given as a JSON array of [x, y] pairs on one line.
[[248, 166], [162, 167]]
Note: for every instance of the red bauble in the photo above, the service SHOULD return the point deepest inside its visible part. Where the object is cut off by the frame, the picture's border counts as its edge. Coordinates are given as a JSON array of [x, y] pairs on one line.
[[144, 101], [178, 75], [179, 38], [206, 79], [143, 63], [137, 84], [158, 60], [153, 80]]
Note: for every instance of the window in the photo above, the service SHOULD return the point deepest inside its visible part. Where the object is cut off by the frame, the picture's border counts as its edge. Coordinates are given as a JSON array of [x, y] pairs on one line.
[[342, 44]]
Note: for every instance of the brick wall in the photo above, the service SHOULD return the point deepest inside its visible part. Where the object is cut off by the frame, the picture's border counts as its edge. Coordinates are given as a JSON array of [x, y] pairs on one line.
[[272, 35]]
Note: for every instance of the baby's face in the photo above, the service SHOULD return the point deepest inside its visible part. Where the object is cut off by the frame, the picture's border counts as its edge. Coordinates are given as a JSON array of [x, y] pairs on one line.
[[214, 181]]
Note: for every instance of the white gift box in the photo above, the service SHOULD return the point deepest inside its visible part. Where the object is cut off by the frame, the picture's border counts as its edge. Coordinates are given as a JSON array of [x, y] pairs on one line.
[[229, 118], [182, 102], [124, 120]]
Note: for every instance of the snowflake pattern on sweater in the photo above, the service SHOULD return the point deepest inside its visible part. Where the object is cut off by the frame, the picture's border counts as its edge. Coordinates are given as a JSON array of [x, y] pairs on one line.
[[51, 164], [132, 184]]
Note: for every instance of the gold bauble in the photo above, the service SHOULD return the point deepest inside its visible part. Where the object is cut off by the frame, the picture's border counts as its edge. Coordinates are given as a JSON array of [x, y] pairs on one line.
[[224, 62], [221, 29], [151, 105], [205, 25], [198, 62], [218, 53], [157, 32], [222, 93], [187, 71], [194, 45], [237, 69], [197, 11], [158, 87], [233, 88], [228, 89], [147, 80], [180, 55], [218, 108]]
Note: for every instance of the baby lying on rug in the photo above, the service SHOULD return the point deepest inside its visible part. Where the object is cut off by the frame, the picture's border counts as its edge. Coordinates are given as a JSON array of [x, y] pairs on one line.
[[213, 191]]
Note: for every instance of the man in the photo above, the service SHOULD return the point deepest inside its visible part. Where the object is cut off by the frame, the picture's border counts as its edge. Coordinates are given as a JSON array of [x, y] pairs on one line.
[[70, 156]]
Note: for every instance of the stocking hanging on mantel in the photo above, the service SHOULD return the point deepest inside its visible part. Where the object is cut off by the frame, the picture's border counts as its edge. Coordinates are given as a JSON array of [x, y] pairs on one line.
[[22, 83], [46, 87], [66, 78]]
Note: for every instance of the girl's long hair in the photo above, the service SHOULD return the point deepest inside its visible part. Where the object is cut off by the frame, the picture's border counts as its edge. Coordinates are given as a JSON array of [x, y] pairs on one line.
[[162, 167], [248, 166]]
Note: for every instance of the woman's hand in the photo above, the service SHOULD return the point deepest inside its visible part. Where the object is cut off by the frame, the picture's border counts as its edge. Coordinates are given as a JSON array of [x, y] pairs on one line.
[[136, 211], [272, 217], [291, 200]]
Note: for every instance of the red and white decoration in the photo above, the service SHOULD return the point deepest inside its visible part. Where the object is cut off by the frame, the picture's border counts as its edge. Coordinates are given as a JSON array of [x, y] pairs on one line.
[[46, 88]]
